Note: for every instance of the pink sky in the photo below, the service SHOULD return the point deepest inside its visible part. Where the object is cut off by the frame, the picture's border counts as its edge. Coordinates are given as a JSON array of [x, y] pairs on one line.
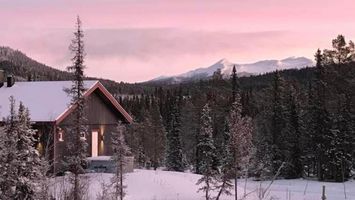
[[137, 40]]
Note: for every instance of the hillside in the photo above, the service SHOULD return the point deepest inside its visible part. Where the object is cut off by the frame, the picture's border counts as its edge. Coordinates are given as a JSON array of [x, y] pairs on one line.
[[25, 68]]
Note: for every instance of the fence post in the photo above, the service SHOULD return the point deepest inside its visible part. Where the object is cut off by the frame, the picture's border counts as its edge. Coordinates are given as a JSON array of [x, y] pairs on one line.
[[323, 193]]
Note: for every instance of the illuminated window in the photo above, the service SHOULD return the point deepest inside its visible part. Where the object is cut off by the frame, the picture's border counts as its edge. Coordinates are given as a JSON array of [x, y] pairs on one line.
[[60, 135], [82, 136], [40, 148]]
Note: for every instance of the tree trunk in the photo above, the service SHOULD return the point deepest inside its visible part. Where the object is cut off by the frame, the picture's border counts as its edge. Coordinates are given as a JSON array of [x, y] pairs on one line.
[[121, 179], [236, 176], [207, 188], [76, 187], [235, 186], [220, 191]]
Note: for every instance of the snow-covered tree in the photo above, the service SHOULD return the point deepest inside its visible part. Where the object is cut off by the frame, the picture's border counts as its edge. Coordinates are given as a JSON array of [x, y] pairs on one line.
[[241, 145], [29, 160], [19, 160], [206, 153], [8, 172], [77, 147], [8, 154], [225, 185], [120, 151]]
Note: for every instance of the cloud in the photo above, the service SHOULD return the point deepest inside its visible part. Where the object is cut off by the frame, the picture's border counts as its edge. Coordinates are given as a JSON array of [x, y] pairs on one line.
[[146, 43]]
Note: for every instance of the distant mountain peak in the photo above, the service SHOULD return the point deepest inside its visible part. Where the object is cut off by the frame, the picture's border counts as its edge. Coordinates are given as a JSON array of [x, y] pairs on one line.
[[242, 69], [224, 61]]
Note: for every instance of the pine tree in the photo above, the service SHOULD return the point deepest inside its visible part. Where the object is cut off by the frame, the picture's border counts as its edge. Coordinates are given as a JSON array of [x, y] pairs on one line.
[[262, 163], [20, 162], [120, 151], [307, 133], [291, 134], [206, 153], [347, 127], [189, 131], [76, 160], [341, 52], [174, 157], [224, 185], [8, 156], [159, 135], [278, 120], [235, 84], [240, 140], [321, 122], [29, 166], [341, 144]]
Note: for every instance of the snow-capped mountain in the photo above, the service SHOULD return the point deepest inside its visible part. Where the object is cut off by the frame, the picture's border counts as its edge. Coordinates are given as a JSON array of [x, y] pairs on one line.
[[243, 69]]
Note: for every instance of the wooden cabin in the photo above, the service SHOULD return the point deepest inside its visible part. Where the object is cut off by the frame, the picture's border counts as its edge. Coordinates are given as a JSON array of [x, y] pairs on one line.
[[51, 114]]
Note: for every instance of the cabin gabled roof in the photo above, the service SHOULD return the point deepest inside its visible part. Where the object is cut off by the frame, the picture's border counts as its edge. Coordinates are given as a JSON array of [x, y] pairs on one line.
[[48, 101]]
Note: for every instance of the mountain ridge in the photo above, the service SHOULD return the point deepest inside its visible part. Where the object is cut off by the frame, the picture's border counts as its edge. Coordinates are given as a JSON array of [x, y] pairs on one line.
[[246, 69]]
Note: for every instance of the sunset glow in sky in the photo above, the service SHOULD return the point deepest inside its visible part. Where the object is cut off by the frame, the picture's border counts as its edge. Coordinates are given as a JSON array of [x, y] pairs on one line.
[[137, 40]]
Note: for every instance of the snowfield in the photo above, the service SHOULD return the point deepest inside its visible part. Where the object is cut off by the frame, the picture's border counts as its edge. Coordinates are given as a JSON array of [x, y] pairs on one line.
[[164, 185]]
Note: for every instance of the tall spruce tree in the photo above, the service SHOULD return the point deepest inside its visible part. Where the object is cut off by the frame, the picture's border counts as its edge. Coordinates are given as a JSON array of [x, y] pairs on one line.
[[9, 159], [174, 156], [159, 135], [291, 135], [207, 153], [235, 84], [225, 185], [190, 126], [77, 147], [321, 122], [278, 120], [241, 145], [30, 163], [307, 133]]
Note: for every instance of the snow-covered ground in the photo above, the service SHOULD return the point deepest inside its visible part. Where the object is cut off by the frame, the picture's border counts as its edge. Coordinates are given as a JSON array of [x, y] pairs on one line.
[[163, 185]]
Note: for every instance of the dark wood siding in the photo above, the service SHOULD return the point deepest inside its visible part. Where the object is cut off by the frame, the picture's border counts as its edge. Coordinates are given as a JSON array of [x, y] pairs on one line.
[[101, 116], [98, 111]]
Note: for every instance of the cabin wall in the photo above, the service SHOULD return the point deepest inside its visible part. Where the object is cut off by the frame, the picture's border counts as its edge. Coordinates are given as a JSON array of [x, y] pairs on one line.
[[98, 111], [101, 117]]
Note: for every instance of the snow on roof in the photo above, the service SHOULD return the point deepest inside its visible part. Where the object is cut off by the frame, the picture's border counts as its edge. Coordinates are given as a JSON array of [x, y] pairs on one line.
[[46, 100]]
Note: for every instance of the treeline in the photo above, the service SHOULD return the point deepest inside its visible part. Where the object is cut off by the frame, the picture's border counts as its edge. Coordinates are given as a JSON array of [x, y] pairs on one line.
[[303, 120]]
